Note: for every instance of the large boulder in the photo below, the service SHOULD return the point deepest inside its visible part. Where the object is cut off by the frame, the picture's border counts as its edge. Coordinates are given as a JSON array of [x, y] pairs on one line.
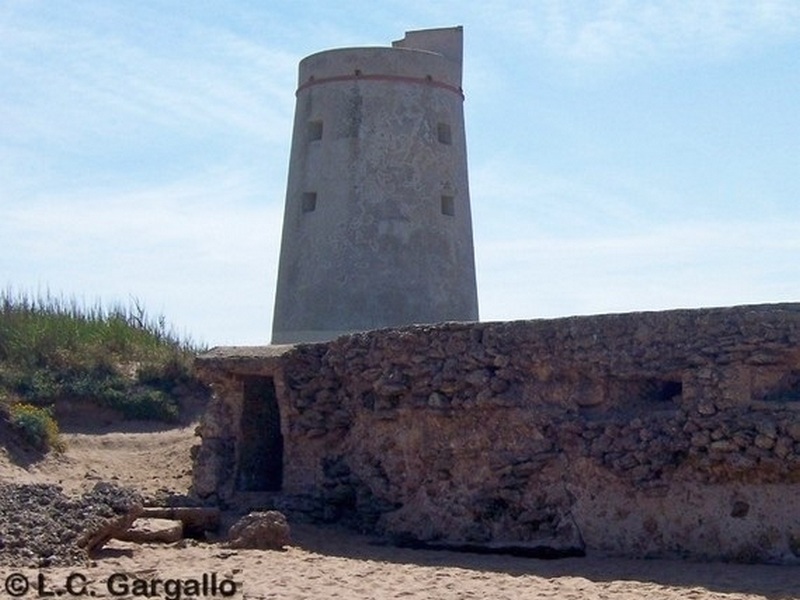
[[260, 530]]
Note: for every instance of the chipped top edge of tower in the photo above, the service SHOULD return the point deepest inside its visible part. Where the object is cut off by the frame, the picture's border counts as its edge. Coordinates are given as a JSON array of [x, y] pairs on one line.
[[429, 54], [447, 41]]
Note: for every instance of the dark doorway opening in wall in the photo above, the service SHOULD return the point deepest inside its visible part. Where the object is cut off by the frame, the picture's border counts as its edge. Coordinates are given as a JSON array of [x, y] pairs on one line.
[[261, 450]]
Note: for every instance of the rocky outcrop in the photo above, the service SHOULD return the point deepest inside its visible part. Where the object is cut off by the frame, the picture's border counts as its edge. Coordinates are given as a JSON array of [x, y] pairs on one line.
[[651, 434]]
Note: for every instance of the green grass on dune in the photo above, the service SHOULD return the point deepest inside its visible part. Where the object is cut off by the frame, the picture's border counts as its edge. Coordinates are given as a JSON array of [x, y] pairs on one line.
[[53, 349]]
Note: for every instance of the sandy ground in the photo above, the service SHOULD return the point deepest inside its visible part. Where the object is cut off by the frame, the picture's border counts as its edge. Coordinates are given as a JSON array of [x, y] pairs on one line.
[[327, 563], [141, 455]]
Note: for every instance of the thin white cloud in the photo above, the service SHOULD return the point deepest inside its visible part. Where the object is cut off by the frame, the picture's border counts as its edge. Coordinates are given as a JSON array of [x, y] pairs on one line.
[[512, 199], [632, 30], [96, 99], [72, 79], [700, 264], [202, 248]]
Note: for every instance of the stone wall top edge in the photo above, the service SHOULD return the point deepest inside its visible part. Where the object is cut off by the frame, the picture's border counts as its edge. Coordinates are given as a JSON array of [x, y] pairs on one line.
[[789, 310], [675, 324], [765, 311], [715, 312], [244, 352]]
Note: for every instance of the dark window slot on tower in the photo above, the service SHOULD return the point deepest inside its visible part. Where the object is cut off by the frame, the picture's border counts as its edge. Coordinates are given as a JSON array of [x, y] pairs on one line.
[[448, 206], [309, 202], [443, 134], [314, 131]]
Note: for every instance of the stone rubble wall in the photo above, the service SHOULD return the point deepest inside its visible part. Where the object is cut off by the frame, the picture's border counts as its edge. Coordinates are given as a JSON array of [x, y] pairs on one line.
[[649, 434]]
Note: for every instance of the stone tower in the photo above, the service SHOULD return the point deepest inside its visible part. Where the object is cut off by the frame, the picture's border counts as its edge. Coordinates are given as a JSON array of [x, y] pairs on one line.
[[377, 228]]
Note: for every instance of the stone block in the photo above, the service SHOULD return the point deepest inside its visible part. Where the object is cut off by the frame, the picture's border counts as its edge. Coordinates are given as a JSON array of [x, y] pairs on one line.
[[152, 531]]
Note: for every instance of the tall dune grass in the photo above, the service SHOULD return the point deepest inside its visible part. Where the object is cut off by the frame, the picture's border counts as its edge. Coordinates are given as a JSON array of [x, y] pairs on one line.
[[52, 348], [46, 329]]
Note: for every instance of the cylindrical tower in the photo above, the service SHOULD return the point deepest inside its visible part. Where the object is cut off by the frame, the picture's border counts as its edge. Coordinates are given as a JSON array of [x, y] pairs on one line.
[[377, 229]]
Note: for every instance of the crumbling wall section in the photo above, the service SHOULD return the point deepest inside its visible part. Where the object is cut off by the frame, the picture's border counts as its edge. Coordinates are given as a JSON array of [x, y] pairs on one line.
[[648, 434]]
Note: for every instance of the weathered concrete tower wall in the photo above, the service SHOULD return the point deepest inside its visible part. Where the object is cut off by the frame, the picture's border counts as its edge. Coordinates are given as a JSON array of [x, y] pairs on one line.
[[377, 226]]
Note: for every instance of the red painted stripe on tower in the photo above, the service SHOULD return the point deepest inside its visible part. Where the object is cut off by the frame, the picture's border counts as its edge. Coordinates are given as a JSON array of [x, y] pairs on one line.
[[398, 78]]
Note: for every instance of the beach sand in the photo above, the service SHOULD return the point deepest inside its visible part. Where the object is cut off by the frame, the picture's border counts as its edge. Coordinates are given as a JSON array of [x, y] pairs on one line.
[[331, 563]]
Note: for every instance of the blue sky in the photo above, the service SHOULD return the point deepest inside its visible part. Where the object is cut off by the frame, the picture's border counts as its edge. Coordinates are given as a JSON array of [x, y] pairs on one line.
[[624, 155]]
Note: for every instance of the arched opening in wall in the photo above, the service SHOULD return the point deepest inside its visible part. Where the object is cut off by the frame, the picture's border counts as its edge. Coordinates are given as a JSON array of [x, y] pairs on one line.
[[260, 466]]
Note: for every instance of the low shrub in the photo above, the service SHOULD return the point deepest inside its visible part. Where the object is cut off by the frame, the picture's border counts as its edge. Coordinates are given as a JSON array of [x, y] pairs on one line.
[[166, 374], [148, 404], [37, 425]]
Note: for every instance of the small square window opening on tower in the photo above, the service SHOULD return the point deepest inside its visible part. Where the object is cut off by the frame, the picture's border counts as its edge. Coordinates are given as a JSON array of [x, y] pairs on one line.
[[309, 203], [443, 134], [314, 131], [448, 206]]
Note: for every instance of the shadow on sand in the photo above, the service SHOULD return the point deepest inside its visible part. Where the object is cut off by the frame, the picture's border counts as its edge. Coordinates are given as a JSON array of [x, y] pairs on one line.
[[18, 451], [768, 581]]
